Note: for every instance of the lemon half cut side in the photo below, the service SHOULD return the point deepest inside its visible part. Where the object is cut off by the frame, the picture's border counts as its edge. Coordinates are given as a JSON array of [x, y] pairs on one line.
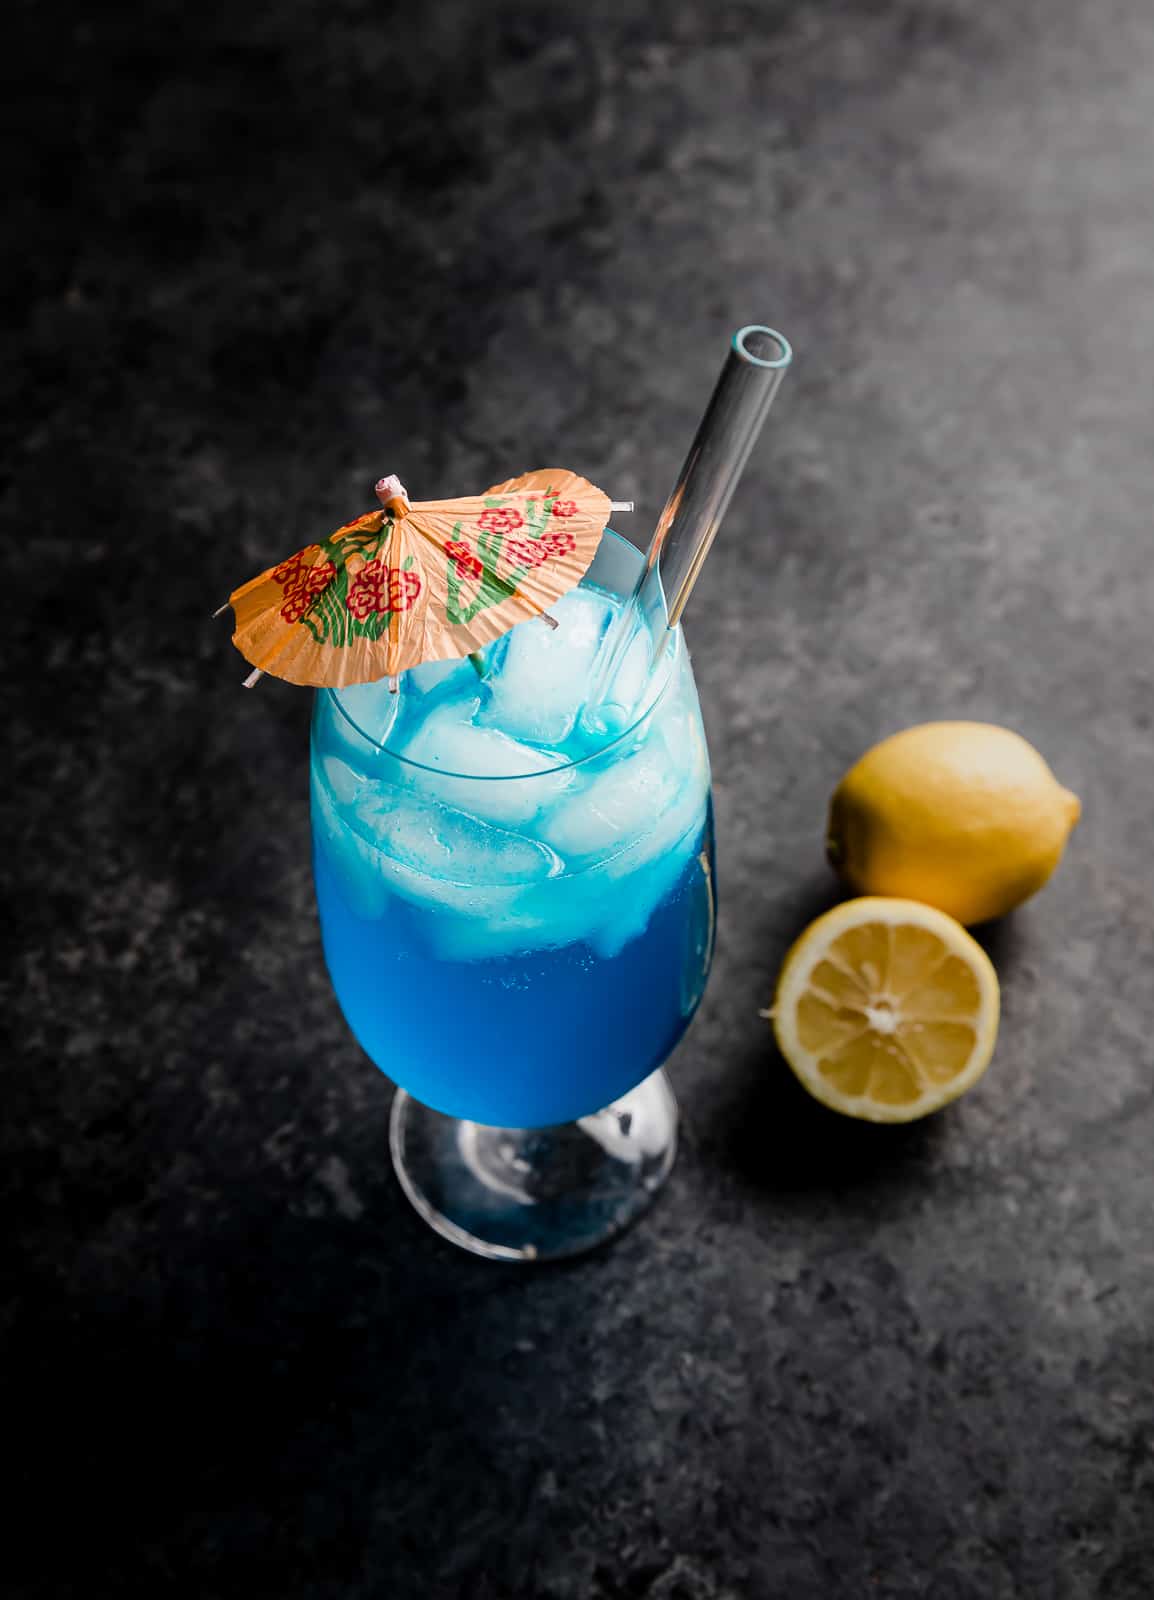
[[886, 1009]]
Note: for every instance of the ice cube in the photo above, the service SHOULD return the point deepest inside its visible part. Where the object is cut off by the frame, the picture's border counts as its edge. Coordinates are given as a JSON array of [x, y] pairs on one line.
[[606, 811], [444, 846], [354, 863], [503, 789], [341, 779], [469, 878], [536, 689], [684, 809], [430, 675], [499, 922], [631, 679], [630, 905], [371, 709]]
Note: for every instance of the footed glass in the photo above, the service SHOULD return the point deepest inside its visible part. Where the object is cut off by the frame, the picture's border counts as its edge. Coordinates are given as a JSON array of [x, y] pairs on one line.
[[517, 906]]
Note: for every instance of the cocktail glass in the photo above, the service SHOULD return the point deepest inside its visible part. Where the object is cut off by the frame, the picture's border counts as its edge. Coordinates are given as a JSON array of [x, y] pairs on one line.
[[517, 908]]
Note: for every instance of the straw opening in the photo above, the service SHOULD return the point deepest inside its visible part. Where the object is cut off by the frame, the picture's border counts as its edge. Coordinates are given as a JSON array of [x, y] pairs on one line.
[[763, 347]]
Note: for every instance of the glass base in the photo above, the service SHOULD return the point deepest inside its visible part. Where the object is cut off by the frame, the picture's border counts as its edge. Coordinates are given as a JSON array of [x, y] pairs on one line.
[[536, 1194]]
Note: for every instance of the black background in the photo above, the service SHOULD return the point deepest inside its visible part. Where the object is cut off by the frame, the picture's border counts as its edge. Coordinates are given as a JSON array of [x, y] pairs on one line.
[[259, 254]]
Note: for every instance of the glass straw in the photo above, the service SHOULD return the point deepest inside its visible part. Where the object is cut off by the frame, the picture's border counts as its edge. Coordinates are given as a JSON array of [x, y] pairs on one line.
[[757, 361]]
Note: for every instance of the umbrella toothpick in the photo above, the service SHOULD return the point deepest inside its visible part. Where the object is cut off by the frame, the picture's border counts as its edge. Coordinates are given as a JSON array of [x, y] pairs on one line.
[[421, 580], [253, 678]]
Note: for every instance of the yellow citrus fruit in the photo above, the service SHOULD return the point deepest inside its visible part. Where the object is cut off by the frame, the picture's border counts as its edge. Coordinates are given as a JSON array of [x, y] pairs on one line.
[[966, 816], [886, 1009]]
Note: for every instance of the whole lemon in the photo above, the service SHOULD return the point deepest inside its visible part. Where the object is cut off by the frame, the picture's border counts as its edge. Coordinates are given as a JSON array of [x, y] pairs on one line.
[[965, 816]]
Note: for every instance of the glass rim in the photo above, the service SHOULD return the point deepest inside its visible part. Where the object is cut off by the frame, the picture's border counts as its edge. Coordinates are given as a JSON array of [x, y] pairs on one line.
[[544, 772]]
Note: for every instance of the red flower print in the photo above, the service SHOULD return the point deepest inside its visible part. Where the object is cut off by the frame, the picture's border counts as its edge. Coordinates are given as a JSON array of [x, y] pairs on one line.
[[319, 577], [565, 508], [364, 593], [288, 570], [380, 589], [464, 560], [532, 552], [404, 587], [301, 583], [560, 544], [500, 519], [527, 552]]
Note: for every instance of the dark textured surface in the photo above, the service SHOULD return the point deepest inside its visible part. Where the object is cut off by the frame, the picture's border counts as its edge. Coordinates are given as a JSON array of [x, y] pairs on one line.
[[262, 253]]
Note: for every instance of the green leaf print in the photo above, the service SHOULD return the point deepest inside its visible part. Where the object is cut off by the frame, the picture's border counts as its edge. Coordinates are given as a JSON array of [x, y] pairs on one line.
[[329, 619]]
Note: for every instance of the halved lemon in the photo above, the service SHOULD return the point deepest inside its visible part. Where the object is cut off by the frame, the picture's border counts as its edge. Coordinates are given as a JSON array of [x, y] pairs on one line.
[[886, 1009]]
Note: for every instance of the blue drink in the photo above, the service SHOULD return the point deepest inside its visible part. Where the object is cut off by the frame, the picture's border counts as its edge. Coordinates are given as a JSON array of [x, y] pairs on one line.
[[516, 908]]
